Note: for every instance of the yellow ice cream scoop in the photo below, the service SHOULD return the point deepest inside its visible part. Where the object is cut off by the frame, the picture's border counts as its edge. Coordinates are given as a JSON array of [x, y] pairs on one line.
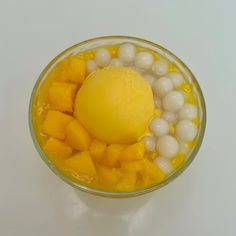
[[115, 104]]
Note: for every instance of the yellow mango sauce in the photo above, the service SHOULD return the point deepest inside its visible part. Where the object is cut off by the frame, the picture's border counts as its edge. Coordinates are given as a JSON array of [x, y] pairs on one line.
[[128, 176]]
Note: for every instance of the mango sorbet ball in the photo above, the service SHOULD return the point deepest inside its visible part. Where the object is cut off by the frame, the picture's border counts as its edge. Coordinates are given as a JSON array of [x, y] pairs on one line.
[[115, 104]]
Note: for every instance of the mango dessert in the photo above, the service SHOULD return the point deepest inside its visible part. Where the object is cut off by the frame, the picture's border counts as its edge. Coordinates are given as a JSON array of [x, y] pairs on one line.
[[117, 118]]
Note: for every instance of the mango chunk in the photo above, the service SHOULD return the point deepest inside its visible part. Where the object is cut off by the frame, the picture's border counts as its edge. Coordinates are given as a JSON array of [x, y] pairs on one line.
[[151, 155], [61, 96], [55, 124], [72, 69], [127, 183], [112, 153], [151, 173], [57, 148], [97, 149], [133, 152], [81, 166], [108, 176], [132, 166], [177, 160], [77, 136]]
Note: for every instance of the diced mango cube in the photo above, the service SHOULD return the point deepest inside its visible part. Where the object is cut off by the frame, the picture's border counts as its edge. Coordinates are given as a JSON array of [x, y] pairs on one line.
[[108, 176], [112, 154], [97, 149], [72, 69], [151, 173], [81, 166], [77, 136], [178, 160], [61, 96], [145, 181], [127, 183], [151, 155], [55, 124], [88, 54], [57, 148], [132, 166], [133, 152]]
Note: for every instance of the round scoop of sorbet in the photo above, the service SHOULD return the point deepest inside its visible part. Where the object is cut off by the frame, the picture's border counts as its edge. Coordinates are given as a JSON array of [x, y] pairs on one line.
[[115, 104]]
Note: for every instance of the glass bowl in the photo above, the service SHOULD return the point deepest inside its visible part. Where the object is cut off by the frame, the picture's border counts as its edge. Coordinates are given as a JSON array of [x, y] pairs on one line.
[[110, 40]]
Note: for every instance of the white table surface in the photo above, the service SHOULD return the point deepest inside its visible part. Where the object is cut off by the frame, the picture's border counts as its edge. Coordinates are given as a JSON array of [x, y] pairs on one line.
[[202, 201]]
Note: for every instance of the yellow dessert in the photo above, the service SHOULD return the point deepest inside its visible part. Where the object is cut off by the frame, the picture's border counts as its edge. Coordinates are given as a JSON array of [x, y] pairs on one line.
[[97, 118]]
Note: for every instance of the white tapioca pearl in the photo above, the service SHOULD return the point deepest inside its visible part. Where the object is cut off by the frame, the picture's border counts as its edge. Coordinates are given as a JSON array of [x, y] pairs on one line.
[[173, 101], [91, 66], [186, 130], [164, 164], [167, 146], [160, 67], [143, 60], [116, 62], [159, 127], [102, 57], [157, 102], [126, 53], [176, 78], [188, 112], [169, 116], [150, 143], [162, 86], [149, 78]]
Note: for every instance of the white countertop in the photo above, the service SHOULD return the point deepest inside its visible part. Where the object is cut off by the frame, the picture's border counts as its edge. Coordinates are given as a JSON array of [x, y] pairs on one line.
[[33, 201]]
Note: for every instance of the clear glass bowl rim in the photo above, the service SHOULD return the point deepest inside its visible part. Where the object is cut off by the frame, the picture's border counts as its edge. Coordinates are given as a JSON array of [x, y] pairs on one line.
[[98, 191]]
